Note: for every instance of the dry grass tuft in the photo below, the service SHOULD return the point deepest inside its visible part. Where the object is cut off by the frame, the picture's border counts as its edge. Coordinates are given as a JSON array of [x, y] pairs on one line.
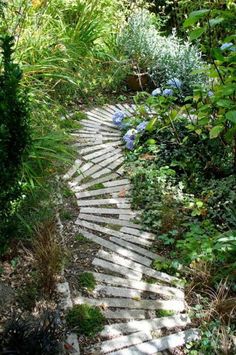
[[48, 255]]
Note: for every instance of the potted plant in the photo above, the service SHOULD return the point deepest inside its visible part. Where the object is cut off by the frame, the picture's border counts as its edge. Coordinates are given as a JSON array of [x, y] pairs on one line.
[[136, 43]]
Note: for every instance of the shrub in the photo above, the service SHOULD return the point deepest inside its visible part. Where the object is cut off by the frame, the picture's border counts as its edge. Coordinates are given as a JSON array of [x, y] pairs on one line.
[[137, 40], [176, 59], [14, 134], [87, 280], [85, 319]]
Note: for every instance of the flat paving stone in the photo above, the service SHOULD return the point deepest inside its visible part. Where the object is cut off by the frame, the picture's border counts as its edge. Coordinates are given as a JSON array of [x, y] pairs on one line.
[[122, 342], [97, 153], [107, 155], [98, 147], [161, 344], [132, 246], [170, 305], [124, 314], [108, 220], [117, 269], [138, 233], [108, 190], [104, 201], [149, 325], [117, 183], [97, 181], [109, 211], [110, 232], [164, 291], [72, 170], [111, 246], [116, 259], [117, 291]]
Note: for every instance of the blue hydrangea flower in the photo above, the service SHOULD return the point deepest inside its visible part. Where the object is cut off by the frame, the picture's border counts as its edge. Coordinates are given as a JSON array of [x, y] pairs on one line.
[[156, 92], [130, 144], [118, 117], [168, 92], [210, 93], [226, 46], [141, 127], [130, 135], [175, 83]]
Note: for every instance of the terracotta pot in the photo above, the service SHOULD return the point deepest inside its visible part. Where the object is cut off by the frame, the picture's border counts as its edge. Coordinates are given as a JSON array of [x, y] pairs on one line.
[[138, 82]]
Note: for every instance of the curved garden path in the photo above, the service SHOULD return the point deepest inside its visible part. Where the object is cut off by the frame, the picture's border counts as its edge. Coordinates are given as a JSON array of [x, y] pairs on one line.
[[123, 263]]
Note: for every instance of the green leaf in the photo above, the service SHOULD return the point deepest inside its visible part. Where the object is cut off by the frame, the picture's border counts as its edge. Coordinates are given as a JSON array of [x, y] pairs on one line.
[[199, 13], [231, 116], [215, 21], [196, 33], [217, 54], [151, 124], [215, 131]]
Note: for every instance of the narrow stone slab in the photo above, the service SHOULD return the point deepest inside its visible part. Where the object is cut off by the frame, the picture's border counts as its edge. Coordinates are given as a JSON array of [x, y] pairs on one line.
[[113, 232], [72, 341], [108, 190], [108, 220], [122, 342], [82, 172], [108, 133], [118, 269], [109, 161], [97, 181], [105, 201], [117, 291], [138, 233], [111, 246], [107, 155], [116, 259], [161, 344], [149, 325], [170, 305], [109, 211], [97, 147], [102, 118], [97, 153], [116, 163], [124, 314], [165, 291], [72, 170], [142, 251], [97, 119], [102, 172], [117, 183]]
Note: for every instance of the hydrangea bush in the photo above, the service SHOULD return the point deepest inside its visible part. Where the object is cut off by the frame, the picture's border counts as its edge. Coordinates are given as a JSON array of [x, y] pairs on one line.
[[119, 119]]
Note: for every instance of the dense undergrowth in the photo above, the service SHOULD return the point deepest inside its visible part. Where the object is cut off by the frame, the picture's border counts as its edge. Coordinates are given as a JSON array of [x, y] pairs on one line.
[[58, 56]]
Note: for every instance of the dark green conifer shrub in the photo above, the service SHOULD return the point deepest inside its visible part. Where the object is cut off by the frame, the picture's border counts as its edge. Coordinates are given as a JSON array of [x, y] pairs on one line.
[[14, 134]]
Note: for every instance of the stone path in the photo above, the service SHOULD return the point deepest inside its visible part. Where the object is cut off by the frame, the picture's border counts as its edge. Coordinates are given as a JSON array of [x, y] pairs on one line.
[[123, 265]]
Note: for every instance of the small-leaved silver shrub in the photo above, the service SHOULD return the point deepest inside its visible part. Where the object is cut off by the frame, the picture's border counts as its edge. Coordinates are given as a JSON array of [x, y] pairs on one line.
[[176, 59], [165, 58], [137, 40]]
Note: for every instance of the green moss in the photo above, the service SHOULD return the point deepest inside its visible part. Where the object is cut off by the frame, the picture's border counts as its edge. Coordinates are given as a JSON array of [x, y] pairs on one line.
[[80, 238], [164, 313], [85, 320], [96, 186], [87, 280]]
